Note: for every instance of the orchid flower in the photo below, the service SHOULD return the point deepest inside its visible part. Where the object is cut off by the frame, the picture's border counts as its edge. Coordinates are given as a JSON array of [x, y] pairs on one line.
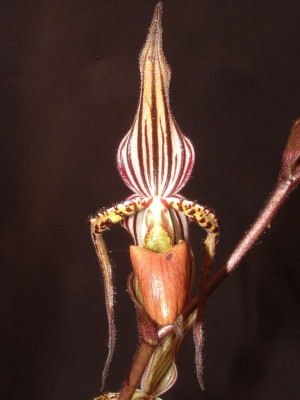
[[155, 161]]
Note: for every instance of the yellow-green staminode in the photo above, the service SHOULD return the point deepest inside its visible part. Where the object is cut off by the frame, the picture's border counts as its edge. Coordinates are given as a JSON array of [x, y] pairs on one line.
[[158, 240]]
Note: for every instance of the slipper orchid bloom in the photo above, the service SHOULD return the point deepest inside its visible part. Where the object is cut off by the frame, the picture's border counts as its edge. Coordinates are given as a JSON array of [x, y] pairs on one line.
[[155, 161]]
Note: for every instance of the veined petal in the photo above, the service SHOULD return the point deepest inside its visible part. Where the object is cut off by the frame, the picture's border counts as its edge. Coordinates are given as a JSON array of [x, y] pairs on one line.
[[155, 158]]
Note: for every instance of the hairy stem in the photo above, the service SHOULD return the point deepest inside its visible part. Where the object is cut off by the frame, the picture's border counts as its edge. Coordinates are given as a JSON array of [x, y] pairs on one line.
[[267, 214], [140, 362]]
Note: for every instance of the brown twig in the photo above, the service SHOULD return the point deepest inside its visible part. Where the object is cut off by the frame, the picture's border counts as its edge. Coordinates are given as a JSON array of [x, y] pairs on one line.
[[289, 178], [140, 362], [276, 200]]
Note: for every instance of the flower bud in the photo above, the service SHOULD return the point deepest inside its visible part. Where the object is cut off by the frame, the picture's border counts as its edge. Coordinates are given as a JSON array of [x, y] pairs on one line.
[[291, 155]]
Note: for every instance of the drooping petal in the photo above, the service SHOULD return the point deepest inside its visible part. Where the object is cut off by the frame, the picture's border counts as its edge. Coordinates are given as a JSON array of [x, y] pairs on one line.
[[155, 158]]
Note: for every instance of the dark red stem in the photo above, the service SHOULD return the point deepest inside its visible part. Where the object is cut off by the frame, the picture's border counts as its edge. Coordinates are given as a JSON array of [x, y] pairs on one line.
[[140, 362], [267, 214]]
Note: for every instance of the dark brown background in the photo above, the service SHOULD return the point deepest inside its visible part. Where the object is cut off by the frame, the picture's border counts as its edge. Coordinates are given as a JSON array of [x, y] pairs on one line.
[[69, 92]]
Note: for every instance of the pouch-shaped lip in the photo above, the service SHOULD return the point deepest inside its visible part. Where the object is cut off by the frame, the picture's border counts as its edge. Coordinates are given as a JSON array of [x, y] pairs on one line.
[[163, 280]]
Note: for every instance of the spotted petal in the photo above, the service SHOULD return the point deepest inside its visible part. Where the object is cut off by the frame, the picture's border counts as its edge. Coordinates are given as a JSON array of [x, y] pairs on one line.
[[155, 158]]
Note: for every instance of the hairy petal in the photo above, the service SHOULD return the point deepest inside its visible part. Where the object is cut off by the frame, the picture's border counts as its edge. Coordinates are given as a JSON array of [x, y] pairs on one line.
[[109, 299]]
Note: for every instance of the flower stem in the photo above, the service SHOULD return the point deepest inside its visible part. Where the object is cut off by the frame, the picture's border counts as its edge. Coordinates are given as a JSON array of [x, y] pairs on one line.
[[289, 178], [267, 214], [140, 362]]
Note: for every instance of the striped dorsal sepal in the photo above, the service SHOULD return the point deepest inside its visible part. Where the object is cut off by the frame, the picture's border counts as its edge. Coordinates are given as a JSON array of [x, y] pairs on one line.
[[155, 158], [106, 218]]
